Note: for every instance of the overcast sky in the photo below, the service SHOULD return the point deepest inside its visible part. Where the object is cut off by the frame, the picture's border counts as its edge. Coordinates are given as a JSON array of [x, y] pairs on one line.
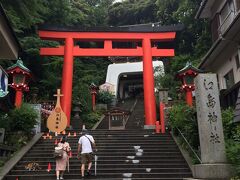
[[118, 0]]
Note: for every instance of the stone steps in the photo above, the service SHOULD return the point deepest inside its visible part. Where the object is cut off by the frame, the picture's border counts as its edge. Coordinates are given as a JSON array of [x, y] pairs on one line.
[[169, 166], [108, 170], [106, 154], [118, 174], [109, 176], [110, 139], [51, 175], [160, 159], [104, 161], [160, 156], [172, 150]]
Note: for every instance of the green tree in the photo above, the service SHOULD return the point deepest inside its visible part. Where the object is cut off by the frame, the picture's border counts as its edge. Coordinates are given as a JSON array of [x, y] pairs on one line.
[[100, 11], [165, 11], [132, 12]]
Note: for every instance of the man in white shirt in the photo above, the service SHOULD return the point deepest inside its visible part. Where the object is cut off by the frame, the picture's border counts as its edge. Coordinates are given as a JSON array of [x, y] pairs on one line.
[[86, 144]]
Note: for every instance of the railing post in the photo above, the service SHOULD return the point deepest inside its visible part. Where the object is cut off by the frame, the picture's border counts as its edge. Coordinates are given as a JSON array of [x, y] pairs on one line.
[[162, 117], [157, 129], [109, 119]]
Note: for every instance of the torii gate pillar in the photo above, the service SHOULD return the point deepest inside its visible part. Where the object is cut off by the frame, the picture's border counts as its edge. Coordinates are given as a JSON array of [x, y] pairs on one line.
[[67, 76], [148, 83]]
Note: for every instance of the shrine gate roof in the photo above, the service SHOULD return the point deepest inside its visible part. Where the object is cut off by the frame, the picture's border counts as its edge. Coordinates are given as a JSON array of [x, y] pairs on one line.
[[151, 27]]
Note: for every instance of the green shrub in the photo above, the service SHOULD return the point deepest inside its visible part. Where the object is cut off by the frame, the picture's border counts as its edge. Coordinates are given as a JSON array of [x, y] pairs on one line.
[[1, 163], [184, 118], [22, 119], [232, 138], [233, 149], [17, 139], [105, 97], [91, 119], [233, 154], [228, 125], [4, 121], [236, 135]]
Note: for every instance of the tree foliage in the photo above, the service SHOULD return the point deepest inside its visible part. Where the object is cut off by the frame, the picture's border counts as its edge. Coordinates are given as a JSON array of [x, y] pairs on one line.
[[132, 12], [27, 15]]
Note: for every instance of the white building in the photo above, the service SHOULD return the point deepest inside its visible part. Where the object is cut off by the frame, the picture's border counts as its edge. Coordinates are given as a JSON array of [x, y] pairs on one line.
[[223, 56], [9, 45], [125, 78]]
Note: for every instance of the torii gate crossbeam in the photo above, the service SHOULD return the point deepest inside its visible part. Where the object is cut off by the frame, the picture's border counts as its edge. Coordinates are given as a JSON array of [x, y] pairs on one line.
[[70, 50]]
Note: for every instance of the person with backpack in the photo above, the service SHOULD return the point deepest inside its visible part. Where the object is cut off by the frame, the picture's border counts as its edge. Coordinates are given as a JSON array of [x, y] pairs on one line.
[[62, 160], [86, 145]]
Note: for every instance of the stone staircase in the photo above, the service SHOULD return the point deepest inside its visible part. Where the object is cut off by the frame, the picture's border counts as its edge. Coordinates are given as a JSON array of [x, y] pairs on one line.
[[136, 119], [131, 154], [122, 154]]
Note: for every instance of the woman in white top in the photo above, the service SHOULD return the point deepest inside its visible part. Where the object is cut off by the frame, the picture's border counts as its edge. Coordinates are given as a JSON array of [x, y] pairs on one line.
[[62, 162]]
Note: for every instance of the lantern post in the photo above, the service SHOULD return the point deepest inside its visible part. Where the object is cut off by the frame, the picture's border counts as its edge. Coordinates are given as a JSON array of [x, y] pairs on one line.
[[187, 75], [20, 77], [93, 89]]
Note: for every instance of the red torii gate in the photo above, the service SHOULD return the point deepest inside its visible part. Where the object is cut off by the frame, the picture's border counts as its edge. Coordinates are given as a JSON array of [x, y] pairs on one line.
[[69, 51]]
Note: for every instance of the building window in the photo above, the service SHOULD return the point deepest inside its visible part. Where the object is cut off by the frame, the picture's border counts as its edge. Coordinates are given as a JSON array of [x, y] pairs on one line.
[[229, 79], [214, 27], [237, 61], [237, 2], [226, 16]]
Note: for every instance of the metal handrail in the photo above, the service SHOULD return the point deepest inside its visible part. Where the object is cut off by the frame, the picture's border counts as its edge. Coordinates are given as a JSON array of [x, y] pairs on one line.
[[131, 110], [196, 155]]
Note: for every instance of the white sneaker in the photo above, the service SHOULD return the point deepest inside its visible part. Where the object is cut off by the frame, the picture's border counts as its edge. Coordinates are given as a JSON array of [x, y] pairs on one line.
[[61, 177]]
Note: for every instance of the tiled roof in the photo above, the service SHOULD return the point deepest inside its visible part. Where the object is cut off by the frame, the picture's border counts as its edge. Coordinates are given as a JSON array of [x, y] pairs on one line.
[[20, 65]]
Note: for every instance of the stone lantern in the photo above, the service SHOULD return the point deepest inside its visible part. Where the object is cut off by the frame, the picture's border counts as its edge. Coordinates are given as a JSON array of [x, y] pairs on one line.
[[93, 89], [76, 120], [187, 75], [20, 77]]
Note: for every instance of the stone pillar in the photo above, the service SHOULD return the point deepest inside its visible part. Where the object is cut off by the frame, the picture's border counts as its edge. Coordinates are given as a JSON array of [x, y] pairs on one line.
[[163, 95], [213, 165], [163, 100]]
